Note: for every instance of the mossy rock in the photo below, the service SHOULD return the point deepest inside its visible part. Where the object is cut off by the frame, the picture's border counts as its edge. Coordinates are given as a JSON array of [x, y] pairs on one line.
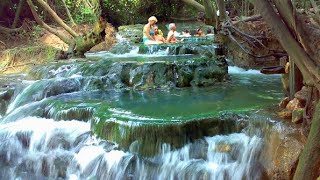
[[147, 138]]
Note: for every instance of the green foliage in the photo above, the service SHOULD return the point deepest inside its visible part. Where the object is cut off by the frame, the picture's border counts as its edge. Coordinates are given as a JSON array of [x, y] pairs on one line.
[[36, 32], [83, 12], [124, 12]]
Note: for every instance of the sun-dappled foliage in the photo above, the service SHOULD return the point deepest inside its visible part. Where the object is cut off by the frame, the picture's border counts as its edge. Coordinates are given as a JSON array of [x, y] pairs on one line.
[[118, 12]]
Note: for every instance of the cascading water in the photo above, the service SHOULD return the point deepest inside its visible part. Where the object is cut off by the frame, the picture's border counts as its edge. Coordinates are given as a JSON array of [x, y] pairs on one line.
[[50, 129], [35, 147]]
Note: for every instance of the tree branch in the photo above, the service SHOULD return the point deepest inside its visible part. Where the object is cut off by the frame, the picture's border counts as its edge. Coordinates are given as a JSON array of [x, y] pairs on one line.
[[45, 26], [309, 70], [3, 44], [209, 10], [68, 13], [249, 53], [19, 9], [57, 18], [194, 4], [6, 30], [222, 10], [252, 18], [247, 36]]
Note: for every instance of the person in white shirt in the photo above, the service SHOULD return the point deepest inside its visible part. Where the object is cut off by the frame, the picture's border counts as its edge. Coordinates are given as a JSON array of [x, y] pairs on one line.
[[171, 38]]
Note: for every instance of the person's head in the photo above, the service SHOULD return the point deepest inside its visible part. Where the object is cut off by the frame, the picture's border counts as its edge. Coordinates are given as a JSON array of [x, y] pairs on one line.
[[172, 26], [152, 20], [155, 28], [199, 31], [186, 31], [209, 31]]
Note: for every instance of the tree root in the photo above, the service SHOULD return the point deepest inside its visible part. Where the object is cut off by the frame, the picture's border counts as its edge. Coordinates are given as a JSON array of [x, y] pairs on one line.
[[248, 37], [3, 44], [276, 54]]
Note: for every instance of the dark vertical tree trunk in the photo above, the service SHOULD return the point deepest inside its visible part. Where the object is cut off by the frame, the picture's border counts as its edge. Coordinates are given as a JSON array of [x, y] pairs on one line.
[[211, 13], [309, 161], [222, 10], [18, 12], [295, 80]]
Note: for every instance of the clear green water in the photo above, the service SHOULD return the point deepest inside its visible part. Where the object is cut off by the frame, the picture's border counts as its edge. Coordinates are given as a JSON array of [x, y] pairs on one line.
[[244, 93]]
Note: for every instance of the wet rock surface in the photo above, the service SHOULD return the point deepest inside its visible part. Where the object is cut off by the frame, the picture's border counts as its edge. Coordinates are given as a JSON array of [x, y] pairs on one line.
[[281, 153], [190, 66], [146, 138]]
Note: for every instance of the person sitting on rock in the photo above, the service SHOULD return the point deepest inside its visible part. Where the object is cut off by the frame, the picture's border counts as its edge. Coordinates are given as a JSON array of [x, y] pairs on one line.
[[171, 38], [148, 34], [158, 35]]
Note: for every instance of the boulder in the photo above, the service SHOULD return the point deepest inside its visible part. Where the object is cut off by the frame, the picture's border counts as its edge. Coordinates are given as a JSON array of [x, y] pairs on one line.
[[294, 104], [284, 102], [281, 152], [285, 114], [297, 115]]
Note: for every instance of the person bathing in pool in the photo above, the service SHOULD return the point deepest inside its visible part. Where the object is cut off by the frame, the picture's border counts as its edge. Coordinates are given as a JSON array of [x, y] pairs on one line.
[[148, 34], [171, 38], [158, 35]]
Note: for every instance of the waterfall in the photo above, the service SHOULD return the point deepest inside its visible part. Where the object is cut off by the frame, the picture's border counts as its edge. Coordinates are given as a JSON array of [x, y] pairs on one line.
[[233, 156], [36, 147]]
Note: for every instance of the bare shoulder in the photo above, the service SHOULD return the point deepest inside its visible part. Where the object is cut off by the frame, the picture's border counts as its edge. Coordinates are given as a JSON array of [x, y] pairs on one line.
[[146, 27]]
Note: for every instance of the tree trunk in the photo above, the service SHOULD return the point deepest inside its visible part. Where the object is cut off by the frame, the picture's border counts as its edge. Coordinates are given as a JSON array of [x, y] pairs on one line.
[[8, 30], [68, 13], [19, 9], [300, 57], [295, 79], [222, 10], [309, 161], [46, 26], [78, 45], [195, 4], [57, 18], [210, 12]]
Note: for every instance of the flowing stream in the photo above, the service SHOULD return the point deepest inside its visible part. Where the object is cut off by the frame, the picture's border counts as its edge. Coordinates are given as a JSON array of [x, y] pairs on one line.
[[48, 135]]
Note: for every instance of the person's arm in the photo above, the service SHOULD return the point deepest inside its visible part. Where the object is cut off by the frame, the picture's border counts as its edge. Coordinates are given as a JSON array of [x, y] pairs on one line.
[[163, 39], [147, 31], [169, 37]]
